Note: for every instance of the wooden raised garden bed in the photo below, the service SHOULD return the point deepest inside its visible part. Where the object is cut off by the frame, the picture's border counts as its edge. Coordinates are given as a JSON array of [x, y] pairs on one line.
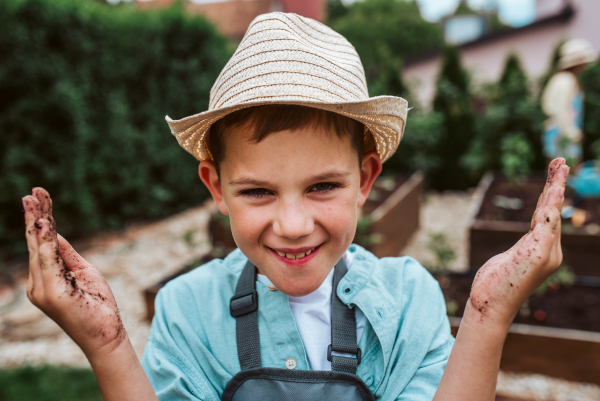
[[496, 229], [390, 214], [559, 336]]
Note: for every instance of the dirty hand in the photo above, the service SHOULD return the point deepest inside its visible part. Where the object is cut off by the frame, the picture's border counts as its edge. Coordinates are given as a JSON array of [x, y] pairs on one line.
[[507, 280], [65, 286]]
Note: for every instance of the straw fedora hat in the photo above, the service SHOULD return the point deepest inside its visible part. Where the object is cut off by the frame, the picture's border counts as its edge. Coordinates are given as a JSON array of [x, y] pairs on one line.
[[289, 59], [576, 52]]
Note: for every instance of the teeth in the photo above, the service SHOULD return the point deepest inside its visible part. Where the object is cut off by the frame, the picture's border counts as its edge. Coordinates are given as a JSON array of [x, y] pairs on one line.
[[295, 256]]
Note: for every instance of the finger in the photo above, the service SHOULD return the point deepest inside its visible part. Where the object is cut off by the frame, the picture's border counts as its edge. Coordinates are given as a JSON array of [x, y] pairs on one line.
[[50, 260], [46, 204], [557, 176], [545, 238], [72, 259], [554, 198], [31, 206]]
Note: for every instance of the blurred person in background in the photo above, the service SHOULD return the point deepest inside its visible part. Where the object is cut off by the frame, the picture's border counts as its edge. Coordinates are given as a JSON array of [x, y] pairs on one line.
[[562, 101]]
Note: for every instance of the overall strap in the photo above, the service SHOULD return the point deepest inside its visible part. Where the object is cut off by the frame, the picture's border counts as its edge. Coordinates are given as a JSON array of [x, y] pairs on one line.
[[244, 307], [343, 328]]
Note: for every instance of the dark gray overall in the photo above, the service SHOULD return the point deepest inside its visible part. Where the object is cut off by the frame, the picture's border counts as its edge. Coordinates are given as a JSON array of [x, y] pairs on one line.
[[255, 383]]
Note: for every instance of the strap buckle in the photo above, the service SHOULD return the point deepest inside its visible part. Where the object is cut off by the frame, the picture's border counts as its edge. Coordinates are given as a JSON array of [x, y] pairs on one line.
[[243, 304], [358, 355]]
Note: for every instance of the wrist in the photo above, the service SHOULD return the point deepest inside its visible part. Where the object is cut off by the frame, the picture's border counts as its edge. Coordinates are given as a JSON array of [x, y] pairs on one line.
[[486, 320], [120, 374], [119, 351]]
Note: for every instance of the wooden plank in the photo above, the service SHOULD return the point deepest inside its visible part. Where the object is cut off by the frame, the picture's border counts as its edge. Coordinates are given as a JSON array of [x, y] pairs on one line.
[[567, 354], [398, 217]]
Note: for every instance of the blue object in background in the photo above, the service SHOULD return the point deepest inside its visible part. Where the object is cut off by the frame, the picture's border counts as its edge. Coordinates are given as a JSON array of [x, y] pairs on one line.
[[587, 181]]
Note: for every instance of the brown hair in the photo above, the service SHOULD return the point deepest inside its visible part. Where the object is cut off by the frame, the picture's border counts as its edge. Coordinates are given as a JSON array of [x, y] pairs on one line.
[[267, 119]]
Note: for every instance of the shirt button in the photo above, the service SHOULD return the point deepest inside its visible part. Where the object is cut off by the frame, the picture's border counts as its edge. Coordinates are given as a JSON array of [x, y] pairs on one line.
[[290, 363], [272, 287]]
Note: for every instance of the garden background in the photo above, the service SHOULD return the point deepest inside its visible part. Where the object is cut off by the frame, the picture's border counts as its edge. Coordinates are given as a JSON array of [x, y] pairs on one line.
[[82, 114]]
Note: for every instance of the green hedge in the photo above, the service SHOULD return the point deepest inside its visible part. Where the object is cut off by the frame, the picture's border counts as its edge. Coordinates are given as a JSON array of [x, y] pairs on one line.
[[84, 89], [48, 383]]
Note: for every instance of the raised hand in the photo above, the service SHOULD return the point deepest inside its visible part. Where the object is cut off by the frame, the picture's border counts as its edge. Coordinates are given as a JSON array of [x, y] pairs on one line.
[[507, 280], [65, 286], [499, 289]]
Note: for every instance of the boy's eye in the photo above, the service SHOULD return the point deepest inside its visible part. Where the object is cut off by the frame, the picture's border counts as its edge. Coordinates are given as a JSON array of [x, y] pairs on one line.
[[256, 193], [324, 187]]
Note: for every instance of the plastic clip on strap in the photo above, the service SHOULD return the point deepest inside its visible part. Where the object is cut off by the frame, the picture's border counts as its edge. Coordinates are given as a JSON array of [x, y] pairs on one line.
[[343, 329], [244, 306]]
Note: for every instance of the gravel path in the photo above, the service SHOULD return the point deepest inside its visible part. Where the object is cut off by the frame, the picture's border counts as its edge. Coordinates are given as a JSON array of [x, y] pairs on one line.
[[449, 214], [140, 257]]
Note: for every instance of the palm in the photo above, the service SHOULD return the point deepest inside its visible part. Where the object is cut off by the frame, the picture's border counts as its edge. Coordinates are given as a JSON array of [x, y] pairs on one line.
[[507, 280], [64, 285]]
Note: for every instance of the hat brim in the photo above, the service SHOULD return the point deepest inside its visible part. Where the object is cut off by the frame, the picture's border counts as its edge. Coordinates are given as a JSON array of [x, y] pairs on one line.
[[384, 117]]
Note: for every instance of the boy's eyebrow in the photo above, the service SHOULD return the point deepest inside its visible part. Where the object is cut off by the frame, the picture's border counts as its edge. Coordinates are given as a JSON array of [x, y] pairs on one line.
[[258, 183]]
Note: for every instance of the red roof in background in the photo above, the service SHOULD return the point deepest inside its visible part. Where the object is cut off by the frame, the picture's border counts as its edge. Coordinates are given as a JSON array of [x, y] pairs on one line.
[[233, 17], [314, 9]]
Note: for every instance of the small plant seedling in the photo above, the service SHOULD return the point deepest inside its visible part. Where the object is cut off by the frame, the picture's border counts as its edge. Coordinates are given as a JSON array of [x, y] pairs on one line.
[[442, 251]]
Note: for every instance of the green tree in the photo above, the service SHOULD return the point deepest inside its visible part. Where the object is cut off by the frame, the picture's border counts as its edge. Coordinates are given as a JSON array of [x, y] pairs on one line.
[[85, 88], [453, 102], [384, 32], [552, 68], [418, 148], [335, 10], [508, 132], [590, 83]]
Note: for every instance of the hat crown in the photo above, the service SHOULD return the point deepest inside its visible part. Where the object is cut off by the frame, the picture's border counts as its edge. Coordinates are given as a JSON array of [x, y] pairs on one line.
[[286, 57], [576, 52]]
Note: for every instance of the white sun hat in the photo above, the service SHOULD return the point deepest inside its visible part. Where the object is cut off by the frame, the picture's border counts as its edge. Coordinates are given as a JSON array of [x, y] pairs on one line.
[[289, 59], [576, 52]]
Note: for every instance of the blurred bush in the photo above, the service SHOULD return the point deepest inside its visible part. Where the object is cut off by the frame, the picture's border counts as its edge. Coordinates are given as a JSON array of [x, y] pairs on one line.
[[84, 89], [384, 32], [418, 149], [508, 131], [454, 102], [48, 383], [590, 83]]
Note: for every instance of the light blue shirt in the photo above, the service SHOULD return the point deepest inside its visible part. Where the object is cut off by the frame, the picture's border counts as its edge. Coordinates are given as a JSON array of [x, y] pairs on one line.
[[191, 353]]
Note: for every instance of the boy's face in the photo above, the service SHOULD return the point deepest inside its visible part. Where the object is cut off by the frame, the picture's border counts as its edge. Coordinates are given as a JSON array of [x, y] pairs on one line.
[[293, 201]]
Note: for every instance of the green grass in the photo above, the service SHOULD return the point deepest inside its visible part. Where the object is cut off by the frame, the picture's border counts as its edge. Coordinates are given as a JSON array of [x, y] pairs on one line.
[[48, 383]]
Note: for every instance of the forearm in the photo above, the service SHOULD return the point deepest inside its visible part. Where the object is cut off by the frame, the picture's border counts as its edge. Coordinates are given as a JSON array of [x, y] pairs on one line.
[[472, 369], [120, 375]]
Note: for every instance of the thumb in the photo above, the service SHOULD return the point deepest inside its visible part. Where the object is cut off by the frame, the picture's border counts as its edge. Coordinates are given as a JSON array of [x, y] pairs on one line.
[[72, 259]]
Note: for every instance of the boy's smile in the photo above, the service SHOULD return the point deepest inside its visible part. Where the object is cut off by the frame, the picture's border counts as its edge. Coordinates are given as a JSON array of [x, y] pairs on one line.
[[293, 201]]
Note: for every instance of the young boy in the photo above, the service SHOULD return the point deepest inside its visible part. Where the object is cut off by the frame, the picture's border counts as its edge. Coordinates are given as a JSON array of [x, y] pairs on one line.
[[289, 150]]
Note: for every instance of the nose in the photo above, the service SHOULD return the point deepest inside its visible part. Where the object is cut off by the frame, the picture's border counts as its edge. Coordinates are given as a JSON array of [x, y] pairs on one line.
[[293, 221]]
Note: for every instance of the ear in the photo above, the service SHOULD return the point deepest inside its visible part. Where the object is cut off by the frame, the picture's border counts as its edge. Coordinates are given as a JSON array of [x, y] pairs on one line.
[[208, 175], [370, 169]]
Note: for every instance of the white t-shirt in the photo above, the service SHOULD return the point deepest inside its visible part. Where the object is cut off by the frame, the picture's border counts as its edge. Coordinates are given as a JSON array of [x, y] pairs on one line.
[[312, 314]]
